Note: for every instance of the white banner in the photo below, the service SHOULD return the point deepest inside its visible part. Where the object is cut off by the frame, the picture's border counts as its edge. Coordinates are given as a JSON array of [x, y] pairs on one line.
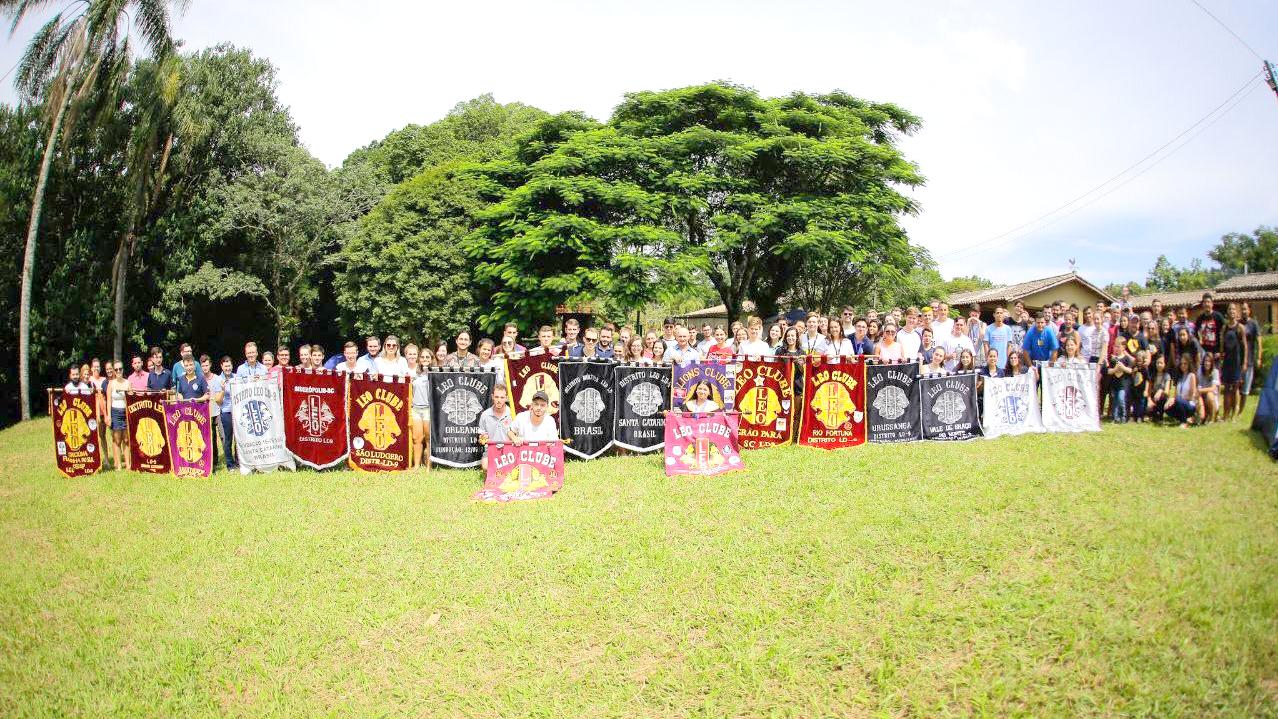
[[257, 412], [1070, 400], [1011, 406]]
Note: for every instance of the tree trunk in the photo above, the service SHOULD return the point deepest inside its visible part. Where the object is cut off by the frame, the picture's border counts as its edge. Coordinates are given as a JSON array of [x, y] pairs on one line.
[[119, 274], [28, 263]]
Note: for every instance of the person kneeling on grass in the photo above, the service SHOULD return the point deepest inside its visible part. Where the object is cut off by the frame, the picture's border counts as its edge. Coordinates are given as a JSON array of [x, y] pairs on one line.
[[494, 423], [1186, 404], [535, 424]]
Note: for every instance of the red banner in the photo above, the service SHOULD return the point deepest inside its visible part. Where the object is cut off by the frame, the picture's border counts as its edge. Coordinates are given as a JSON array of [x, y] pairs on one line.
[[315, 416], [702, 444], [377, 423], [529, 374], [765, 399], [75, 434], [148, 446], [834, 402], [522, 471]]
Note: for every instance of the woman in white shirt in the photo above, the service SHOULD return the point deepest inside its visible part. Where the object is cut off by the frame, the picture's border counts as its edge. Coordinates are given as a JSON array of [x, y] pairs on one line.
[[839, 346], [1073, 356], [699, 398], [487, 360], [390, 362]]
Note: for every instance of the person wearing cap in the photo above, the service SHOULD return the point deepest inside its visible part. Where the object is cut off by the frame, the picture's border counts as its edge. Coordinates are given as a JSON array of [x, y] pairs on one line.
[[535, 423]]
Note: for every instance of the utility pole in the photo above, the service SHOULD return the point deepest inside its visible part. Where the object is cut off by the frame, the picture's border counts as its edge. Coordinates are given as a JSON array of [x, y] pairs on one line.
[[1271, 76]]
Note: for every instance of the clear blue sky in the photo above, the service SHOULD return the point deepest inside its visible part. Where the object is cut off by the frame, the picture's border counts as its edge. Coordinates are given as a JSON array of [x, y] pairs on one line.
[[1025, 105]]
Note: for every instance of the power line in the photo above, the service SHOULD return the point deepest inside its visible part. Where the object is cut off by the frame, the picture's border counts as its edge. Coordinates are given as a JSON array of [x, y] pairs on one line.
[[1116, 176], [1228, 30], [1126, 181]]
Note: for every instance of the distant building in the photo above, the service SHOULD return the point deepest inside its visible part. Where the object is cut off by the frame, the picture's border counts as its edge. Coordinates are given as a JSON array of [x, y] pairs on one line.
[[1036, 294]]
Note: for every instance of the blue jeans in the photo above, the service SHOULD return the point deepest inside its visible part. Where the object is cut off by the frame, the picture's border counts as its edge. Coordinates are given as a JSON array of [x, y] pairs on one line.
[[1183, 411], [1140, 405], [1119, 403], [228, 439]]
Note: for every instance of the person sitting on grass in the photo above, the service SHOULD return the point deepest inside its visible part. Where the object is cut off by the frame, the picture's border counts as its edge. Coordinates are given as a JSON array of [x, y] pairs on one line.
[[1187, 405], [1161, 391], [534, 424], [1208, 388]]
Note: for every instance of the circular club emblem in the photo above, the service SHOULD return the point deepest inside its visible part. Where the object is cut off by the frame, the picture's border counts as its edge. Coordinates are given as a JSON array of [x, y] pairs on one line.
[[645, 399], [256, 417], [1069, 402], [588, 405], [1015, 409], [462, 407], [949, 407], [358, 443], [891, 403]]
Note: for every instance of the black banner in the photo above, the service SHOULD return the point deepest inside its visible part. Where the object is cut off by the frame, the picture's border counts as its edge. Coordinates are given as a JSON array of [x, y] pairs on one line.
[[642, 398], [949, 406], [586, 406], [457, 398], [892, 399]]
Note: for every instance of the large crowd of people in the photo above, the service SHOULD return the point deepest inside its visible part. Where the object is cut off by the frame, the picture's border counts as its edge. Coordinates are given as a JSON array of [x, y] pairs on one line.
[[1154, 365]]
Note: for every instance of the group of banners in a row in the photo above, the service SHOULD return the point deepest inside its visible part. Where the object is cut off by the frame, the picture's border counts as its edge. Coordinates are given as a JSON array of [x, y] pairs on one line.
[[320, 419]]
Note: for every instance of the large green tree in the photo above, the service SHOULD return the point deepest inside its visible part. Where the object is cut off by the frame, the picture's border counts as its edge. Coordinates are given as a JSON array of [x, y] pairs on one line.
[[80, 48], [419, 201], [712, 179], [1238, 252]]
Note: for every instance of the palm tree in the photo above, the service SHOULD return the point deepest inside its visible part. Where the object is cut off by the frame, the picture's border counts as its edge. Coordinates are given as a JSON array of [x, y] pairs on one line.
[[73, 53], [151, 141]]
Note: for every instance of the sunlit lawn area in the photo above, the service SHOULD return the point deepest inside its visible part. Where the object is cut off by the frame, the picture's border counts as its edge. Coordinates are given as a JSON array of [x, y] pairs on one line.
[[1129, 572]]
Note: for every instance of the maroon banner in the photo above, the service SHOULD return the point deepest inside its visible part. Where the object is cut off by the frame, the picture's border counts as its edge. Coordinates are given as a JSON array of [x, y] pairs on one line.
[[702, 444], [315, 416], [834, 402], [765, 399], [522, 471], [190, 434], [528, 374], [75, 434], [377, 423], [148, 446]]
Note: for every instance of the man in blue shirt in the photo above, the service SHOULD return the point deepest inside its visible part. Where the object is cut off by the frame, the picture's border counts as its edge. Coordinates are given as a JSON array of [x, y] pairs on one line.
[[998, 335], [251, 367], [1041, 344], [861, 343], [190, 384], [224, 414], [158, 378], [184, 353]]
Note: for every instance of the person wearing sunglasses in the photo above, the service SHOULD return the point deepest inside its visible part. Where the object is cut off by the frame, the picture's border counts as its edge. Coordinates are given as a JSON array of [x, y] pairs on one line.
[[889, 349], [390, 362], [589, 349]]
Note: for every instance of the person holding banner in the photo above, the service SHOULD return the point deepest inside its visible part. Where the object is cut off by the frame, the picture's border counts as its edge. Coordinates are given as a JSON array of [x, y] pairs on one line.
[[889, 349], [1073, 356], [534, 424], [419, 409], [754, 344], [137, 378], [681, 351], [494, 422], [251, 367], [720, 347], [190, 384], [350, 359], [700, 398], [389, 363], [116, 388]]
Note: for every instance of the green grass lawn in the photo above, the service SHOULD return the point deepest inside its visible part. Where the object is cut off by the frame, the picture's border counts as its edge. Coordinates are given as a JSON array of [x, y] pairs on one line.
[[1131, 572]]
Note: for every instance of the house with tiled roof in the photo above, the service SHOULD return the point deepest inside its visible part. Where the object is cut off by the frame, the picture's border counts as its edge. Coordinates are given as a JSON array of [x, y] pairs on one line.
[[1036, 294]]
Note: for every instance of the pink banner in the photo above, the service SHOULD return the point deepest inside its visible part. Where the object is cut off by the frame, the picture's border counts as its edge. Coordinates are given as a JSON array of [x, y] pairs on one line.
[[702, 444], [523, 471], [190, 434]]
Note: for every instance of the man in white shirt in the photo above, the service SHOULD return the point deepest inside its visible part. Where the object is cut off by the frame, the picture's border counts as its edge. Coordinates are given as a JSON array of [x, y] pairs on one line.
[[942, 325], [812, 341], [76, 384], [534, 424], [909, 337], [754, 344], [681, 351], [955, 343], [707, 340], [350, 359]]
